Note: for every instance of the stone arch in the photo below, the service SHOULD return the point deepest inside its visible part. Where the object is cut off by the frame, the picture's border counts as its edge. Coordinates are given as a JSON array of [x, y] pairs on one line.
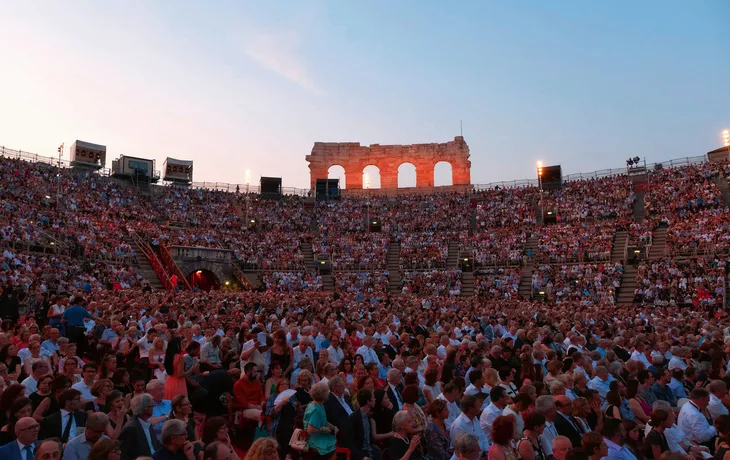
[[407, 175], [371, 178], [443, 174], [338, 172], [353, 157], [212, 267]]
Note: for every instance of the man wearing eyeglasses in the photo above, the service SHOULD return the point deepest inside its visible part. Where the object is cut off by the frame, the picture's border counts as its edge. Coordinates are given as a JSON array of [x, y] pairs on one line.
[[26, 433], [175, 444], [79, 447]]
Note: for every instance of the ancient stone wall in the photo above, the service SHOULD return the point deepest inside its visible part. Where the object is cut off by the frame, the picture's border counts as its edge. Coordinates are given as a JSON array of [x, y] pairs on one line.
[[354, 157]]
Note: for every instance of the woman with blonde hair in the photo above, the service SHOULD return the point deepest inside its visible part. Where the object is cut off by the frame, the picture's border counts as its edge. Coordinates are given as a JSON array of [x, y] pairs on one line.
[[581, 410], [263, 449], [491, 378], [321, 434]]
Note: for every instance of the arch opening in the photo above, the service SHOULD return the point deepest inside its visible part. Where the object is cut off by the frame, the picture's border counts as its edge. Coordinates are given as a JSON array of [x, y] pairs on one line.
[[371, 177], [204, 280], [337, 172], [406, 175], [443, 174]]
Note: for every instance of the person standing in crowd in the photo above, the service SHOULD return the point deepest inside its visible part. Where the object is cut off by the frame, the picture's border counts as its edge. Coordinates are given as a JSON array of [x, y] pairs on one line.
[[322, 434], [337, 407]]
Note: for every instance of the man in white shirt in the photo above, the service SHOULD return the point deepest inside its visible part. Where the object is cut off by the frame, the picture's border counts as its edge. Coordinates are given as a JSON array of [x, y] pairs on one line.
[[292, 338], [39, 369], [638, 355], [336, 354], [302, 351], [467, 422], [676, 439], [676, 361], [441, 350], [494, 410], [145, 344], [449, 394], [545, 405], [366, 351], [84, 386], [718, 390], [691, 419]]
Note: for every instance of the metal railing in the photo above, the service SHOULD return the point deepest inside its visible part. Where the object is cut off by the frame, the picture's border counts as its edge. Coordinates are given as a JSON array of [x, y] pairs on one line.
[[171, 266], [154, 261]]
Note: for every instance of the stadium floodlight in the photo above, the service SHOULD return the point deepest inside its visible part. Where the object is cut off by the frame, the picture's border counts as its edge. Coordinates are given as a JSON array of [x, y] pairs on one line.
[[726, 137], [539, 168]]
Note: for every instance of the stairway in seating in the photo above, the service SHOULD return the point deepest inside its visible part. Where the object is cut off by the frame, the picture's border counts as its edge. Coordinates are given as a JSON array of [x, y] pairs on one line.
[[394, 274], [531, 244], [619, 244], [452, 259], [723, 186], [143, 265], [525, 289], [538, 213], [639, 212], [467, 284], [308, 256], [658, 242], [328, 282], [628, 285]]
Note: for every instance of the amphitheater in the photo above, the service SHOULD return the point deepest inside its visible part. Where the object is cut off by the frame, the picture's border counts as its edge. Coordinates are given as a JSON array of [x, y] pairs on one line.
[[602, 237], [217, 298]]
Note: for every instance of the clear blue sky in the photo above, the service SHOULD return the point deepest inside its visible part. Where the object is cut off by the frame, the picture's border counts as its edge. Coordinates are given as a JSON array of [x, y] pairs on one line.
[[252, 85]]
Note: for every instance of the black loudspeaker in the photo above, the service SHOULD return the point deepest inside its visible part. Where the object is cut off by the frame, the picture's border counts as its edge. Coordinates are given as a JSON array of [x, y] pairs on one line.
[[552, 177], [327, 189], [270, 188]]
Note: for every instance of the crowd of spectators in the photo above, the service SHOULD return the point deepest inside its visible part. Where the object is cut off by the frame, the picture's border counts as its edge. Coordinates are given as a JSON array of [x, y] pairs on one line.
[[495, 246], [705, 230], [605, 198], [271, 249], [209, 372], [506, 207], [424, 250], [695, 281], [97, 364], [362, 282], [586, 284], [291, 281], [676, 192], [576, 241], [497, 283], [432, 282], [353, 251]]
